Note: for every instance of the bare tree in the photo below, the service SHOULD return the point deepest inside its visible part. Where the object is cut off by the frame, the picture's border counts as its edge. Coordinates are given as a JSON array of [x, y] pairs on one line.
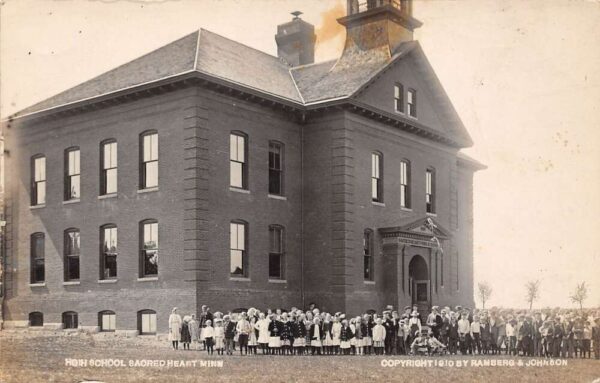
[[533, 292], [484, 291], [580, 294]]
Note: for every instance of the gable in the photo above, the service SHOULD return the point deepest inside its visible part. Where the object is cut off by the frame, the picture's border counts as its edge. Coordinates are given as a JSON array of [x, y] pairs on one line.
[[380, 94]]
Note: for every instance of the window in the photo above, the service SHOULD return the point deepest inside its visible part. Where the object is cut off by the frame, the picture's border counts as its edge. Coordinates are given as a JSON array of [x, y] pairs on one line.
[[430, 190], [368, 255], [149, 248], [38, 180], [149, 160], [107, 321], [405, 184], [238, 164], [376, 177], [276, 252], [71, 248], [412, 103], [108, 252], [72, 174], [108, 170], [239, 262], [147, 322], [37, 254], [275, 168], [399, 98], [36, 319], [70, 319]]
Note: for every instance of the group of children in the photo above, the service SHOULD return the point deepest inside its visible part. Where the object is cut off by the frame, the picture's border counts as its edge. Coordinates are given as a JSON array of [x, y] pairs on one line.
[[312, 332]]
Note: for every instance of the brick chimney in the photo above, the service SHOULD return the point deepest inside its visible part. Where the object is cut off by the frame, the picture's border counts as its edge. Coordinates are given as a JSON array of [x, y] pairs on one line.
[[296, 41]]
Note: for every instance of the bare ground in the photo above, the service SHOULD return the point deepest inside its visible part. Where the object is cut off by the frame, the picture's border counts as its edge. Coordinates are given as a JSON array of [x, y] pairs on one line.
[[30, 356]]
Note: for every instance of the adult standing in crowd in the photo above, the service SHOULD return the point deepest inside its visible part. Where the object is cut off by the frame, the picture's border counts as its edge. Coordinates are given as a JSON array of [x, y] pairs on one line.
[[175, 323]]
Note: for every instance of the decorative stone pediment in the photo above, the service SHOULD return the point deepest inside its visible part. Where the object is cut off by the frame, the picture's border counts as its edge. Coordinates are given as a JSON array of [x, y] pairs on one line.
[[422, 232]]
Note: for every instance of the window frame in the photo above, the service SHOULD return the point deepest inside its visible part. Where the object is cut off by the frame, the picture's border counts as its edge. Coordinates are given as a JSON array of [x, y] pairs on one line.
[[140, 319], [143, 273], [377, 177], [34, 258], [35, 183], [430, 195], [75, 255], [143, 170], [71, 174], [243, 163], [104, 171], [34, 314], [405, 184], [274, 171], [244, 250], [101, 315], [399, 98], [104, 253], [411, 102], [368, 256], [74, 318], [280, 253]]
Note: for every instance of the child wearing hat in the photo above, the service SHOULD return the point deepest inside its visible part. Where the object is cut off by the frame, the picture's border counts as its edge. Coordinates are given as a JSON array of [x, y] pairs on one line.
[[336, 330], [327, 335], [315, 336], [346, 336], [368, 324], [275, 329]]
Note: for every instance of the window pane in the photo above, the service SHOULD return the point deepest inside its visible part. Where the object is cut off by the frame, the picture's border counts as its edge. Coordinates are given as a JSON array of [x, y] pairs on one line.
[[40, 192], [75, 187], [274, 265], [402, 196], [151, 235], [237, 266], [236, 174], [151, 170], [74, 162], [111, 181], [40, 169], [72, 267], [374, 193], [38, 247], [274, 182], [110, 155], [151, 147], [39, 274], [366, 266], [233, 230], [241, 144], [150, 262], [275, 234], [410, 96]]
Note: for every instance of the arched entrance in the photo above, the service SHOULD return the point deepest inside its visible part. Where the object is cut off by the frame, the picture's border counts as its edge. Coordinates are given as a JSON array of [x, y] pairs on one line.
[[418, 275]]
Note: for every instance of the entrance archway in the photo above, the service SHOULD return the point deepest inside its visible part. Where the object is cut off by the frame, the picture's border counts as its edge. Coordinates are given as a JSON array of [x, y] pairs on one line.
[[418, 275]]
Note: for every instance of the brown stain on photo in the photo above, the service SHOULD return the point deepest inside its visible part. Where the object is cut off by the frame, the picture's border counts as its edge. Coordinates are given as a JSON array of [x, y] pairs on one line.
[[329, 28]]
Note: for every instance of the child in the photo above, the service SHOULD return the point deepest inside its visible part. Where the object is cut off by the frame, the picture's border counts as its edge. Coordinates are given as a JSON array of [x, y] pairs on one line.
[[326, 335], [453, 335], [419, 344], [229, 330], [243, 329], [253, 339], [299, 334], [262, 325], [336, 329], [587, 340], [194, 331], [209, 335], [275, 328], [286, 335], [367, 330], [315, 336], [476, 334], [434, 345], [400, 332], [486, 335], [378, 337], [511, 335], [186, 338], [346, 335], [359, 334]]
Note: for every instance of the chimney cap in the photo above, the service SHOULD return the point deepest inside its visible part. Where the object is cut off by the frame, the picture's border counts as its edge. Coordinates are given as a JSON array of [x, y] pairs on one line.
[[296, 14]]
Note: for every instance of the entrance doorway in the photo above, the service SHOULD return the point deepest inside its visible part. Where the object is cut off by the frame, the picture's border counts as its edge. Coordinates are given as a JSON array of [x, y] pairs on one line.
[[418, 275]]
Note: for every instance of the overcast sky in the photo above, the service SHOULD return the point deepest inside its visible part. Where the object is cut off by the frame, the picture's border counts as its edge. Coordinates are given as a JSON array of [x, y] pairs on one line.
[[523, 75]]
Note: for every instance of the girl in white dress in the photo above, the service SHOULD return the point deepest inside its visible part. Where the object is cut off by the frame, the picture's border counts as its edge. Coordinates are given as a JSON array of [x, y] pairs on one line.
[[175, 324], [263, 332], [253, 339], [219, 332], [209, 336], [336, 330]]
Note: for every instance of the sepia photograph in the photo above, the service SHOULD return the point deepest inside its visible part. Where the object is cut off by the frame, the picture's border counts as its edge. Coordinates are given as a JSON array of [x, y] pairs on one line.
[[299, 190]]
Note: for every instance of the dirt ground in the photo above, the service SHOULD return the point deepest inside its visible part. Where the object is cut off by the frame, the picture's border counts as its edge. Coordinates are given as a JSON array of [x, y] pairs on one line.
[[29, 356]]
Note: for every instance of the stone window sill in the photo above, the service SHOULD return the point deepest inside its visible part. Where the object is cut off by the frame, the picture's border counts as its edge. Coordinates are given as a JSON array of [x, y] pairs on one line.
[[42, 284], [277, 281], [279, 197], [107, 196], [238, 190], [148, 190], [239, 279], [405, 208], [431, 214], [147, 279], [375, 203], [369, 282], [71, 283], [74, 200], [106, 281], [33, 207]]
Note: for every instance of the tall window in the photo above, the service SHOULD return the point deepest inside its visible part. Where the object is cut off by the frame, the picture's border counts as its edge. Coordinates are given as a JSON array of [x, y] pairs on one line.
[[275, 168], [399, 98], [412, 102], [149, 160], [238, 249], [147, 322], [430, 190], [108, 161], [38, 180], [70, 319], [72, 174], [368, 269], [276, 252], [36, 319], [377, 177], [37, 253], [72, 249], [108, 252], [107, 320], [149, 248], [238, 161], [405, 184]]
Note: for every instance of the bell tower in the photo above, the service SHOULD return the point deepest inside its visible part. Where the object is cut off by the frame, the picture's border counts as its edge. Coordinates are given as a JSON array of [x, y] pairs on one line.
[[377, 26]]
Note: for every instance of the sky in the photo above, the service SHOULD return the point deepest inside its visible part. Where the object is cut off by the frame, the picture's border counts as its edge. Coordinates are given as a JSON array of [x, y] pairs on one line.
[[523, 75]]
